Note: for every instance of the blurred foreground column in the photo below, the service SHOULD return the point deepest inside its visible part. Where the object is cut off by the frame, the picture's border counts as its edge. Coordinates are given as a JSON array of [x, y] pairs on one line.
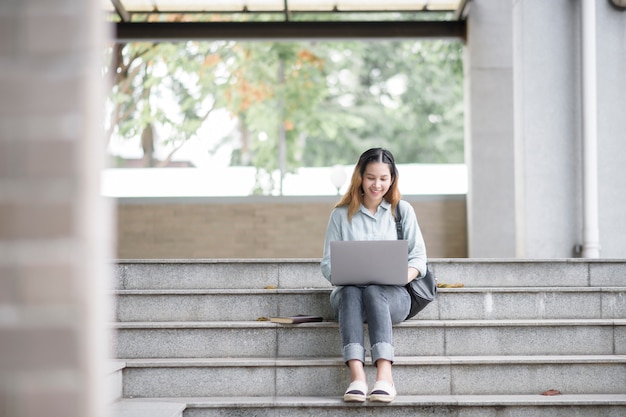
[[55, 235]]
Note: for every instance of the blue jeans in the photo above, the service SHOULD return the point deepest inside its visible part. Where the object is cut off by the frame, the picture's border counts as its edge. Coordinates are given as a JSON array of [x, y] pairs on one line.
[[379, 306]]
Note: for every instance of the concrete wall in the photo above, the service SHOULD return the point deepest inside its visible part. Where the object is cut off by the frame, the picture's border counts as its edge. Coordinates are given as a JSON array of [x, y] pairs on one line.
[[54, 227], [547, 68], [524, 128], [263, 227], [611, 68]]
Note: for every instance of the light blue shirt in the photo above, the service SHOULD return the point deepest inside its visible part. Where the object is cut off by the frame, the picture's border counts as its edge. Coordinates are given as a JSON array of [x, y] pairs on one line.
[[380, 226]]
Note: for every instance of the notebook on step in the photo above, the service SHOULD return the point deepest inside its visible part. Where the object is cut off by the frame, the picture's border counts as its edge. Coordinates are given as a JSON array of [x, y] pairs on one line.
[[363, 262]]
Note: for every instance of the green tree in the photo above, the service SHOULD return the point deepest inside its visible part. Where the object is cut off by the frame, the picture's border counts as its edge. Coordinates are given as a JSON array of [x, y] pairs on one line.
[[162, 87], [404, 95], [296, 103], [275, 90]]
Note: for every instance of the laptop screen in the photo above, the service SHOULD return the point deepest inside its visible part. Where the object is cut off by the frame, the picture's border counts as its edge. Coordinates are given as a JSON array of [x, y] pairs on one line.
[[363, 262]]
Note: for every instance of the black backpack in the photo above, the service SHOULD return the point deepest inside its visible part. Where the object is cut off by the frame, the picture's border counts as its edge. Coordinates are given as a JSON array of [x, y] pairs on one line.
[[422, 290]]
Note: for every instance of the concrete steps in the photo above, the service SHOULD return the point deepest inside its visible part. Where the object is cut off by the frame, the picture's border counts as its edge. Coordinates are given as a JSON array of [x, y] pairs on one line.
[[190, 332], [323, 377], [467, 303], [414, 337], [305, 273], [414, 406]]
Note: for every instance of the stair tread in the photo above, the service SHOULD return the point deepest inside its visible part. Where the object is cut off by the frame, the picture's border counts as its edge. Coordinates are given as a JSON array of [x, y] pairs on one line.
[[147, 408], [399, 361], [517, 328], [331, 323], [262, 291], [208, 261], [400, 401]]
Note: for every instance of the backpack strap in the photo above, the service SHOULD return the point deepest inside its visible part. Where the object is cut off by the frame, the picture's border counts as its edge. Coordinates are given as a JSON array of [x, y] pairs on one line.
[[398, 218]]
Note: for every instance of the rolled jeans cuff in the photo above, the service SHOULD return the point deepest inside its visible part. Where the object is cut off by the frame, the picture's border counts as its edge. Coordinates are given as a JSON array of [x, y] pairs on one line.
[[353, 351], [382, 350]]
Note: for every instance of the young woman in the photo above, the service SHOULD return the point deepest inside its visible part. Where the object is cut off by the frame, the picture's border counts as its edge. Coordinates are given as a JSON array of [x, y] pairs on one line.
[[367, 212]]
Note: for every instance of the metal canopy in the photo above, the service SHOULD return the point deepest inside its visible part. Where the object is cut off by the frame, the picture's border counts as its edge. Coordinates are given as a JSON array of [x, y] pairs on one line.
[[163, 20]]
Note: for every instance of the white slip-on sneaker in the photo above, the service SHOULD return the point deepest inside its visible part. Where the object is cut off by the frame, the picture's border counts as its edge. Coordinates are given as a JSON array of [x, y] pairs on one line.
[[383, 392], [356, 392]]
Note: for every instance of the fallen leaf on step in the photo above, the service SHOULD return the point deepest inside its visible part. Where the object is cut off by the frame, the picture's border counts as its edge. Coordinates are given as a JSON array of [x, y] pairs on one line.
[[262, 319], [270, 287], [551, 392], [456, 285]]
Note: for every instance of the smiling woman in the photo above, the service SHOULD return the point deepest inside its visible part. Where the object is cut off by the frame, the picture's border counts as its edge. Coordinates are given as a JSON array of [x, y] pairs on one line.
[[368, 211]]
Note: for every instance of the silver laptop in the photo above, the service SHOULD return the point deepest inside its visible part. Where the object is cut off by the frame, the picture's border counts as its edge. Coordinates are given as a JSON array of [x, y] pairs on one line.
[[363, 262]]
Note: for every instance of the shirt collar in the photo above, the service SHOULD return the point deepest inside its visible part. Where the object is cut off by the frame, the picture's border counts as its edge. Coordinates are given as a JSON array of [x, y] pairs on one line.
[[384, 204]]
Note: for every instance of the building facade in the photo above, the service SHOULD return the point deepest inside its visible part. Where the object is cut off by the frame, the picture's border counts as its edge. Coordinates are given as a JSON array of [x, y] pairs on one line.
[[527, 113], [531, 153]]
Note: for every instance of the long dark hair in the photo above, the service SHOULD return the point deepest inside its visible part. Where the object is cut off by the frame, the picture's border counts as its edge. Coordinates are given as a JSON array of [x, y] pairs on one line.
[[353, 198]]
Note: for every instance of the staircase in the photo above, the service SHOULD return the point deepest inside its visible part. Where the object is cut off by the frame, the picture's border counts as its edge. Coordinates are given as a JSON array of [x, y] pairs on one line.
[[190, 340]]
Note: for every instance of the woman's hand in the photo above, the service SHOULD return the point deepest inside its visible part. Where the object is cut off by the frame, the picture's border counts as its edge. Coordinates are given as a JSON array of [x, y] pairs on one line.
[[412, 274]]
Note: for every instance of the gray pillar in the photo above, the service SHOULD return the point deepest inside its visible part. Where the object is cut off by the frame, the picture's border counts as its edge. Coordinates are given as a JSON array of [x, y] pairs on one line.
[[611, 90], [489, 130], [524, 128], [548, 179], [54, 228]]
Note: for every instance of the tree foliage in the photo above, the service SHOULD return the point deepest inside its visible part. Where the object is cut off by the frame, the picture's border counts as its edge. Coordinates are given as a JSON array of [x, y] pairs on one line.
[[325, 101], [172, 86], [406, 96], [275, 93]]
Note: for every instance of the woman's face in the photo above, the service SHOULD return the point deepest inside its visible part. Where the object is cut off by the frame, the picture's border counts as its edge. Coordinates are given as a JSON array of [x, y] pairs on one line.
[[376, 181]]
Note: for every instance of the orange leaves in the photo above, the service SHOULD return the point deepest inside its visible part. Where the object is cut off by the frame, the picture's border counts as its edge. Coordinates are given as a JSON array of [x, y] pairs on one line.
[[255, 77], [246, 94], [211, 60], [309, 57]]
